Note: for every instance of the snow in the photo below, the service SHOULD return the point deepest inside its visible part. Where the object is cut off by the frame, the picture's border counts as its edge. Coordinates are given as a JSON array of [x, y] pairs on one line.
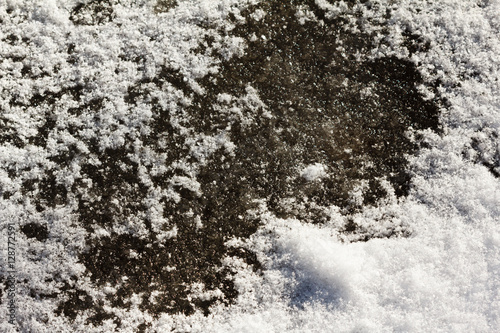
[[443, 276], [313, 172]]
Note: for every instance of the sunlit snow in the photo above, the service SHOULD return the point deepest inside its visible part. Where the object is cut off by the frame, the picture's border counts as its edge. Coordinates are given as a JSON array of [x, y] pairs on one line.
[[155, 190]]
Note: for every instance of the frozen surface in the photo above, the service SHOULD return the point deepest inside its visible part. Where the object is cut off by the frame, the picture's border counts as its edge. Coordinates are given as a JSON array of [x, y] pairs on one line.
[[114, 156]]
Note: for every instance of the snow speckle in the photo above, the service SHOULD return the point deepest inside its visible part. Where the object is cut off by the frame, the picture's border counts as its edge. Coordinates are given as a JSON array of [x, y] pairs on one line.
[[314, 172]]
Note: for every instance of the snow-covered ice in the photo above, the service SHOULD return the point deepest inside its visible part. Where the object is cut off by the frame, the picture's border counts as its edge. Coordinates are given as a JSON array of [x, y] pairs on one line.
[[115, 154]]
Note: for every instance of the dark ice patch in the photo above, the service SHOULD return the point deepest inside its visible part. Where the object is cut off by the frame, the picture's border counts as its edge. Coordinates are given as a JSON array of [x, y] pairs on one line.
[[35, 230], [327, 107], [165, 5], [92, 13]]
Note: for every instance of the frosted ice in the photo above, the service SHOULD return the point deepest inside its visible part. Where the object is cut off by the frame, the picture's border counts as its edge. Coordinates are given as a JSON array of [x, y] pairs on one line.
[[444, 276]]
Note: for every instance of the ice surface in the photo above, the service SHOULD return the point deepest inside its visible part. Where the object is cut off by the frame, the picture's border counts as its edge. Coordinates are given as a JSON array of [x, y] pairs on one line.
[[101, 147]]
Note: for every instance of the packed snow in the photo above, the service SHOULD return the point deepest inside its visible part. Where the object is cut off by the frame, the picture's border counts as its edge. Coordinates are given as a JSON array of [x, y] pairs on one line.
[[431, 262]]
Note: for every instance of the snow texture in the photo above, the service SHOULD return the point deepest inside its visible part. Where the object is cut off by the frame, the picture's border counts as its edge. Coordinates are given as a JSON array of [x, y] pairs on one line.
[[78, 84], [313, 172]]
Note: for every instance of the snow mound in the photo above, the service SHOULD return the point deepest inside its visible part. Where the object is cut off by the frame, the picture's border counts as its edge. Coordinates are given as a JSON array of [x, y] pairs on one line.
[[313, 172]]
